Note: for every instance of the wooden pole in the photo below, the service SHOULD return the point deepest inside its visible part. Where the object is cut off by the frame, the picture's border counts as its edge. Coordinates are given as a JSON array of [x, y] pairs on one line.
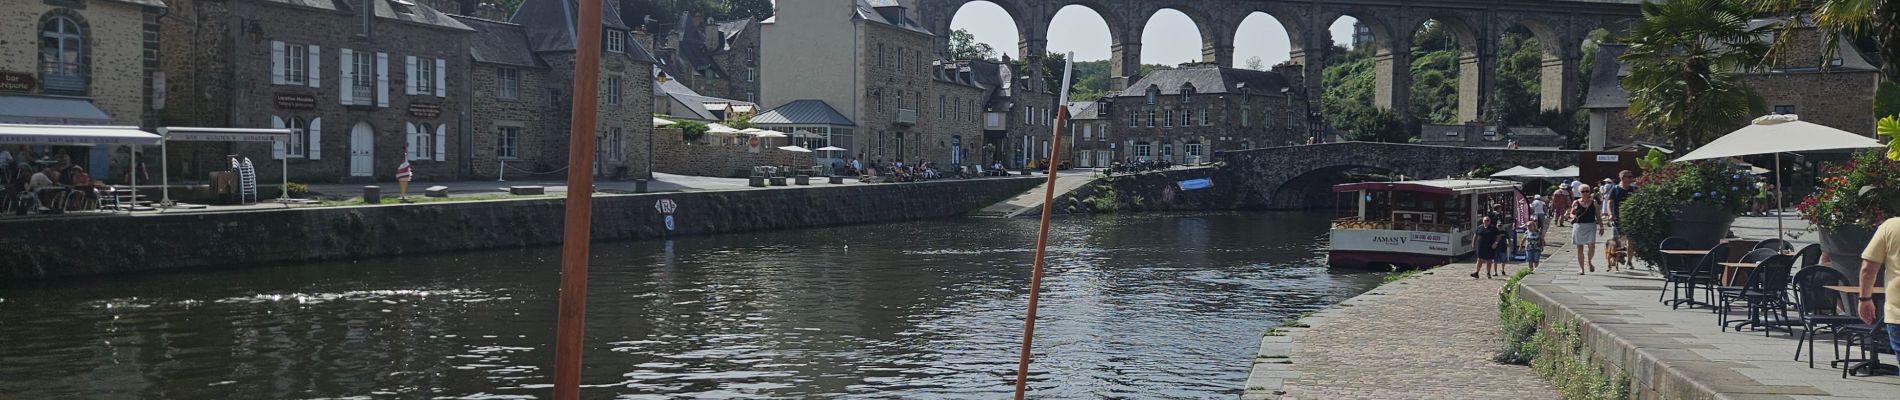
[[1042, 233], [580, 203]]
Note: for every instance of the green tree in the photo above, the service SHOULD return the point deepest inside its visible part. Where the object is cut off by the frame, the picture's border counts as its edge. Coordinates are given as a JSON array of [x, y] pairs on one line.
[[963, 46], [691, 130], [1516, 92], [1879, 19], [1254, 63], [754, 9], [1684, 57], [1379, 126]]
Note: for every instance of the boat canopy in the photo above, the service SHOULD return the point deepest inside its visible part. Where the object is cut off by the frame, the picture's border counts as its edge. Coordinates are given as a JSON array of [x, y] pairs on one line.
[[1441, 187]]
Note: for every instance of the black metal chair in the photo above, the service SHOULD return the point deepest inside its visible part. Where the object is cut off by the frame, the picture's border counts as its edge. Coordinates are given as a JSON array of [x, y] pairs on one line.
[[1761, 294], [1810, 255], [1700, 275], [1672, 263], [1820, 309], [1777, 244]]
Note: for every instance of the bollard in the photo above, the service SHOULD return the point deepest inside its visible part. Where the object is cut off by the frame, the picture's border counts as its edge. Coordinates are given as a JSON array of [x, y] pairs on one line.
[[802, 180], [372, 195], [778, 181], [837, 180], [639, 186], [756, 181]]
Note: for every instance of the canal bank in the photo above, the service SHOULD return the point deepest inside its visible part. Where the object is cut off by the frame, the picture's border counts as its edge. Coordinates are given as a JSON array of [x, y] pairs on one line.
[[43, 248]]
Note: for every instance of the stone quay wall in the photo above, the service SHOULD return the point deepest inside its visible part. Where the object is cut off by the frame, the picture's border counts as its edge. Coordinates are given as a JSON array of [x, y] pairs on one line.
[[1152, 191], [109, 245]]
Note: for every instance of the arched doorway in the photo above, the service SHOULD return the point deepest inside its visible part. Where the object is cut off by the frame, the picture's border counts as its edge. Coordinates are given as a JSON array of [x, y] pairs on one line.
[[362, 150]]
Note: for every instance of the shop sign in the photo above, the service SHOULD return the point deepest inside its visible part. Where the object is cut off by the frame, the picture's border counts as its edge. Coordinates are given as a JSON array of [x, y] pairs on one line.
[[16, 81], [293, 101], [425, 110]]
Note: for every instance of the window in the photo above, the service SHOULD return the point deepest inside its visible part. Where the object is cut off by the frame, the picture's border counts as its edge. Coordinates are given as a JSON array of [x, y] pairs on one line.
[[751, 74], [421, 141], [900, 99], [1143, 150], [365, 77], [1131, 120], [1028, 114], [425, 76], [509, 142], [1167, 119], [1187, 89], [1204, 121], [1153, 93], [613, 90], [901, 59], [508, 83], [1784, 109], [62, 56], [297, 141], [1088, 131], [363, 18], [881, 60], [751, 97], [1167, 152], [294, 63], [940, 105], [1186, 117], [616, 42], [1151, 118], [554, 97], [1194, 153], [1244, 115], [610, 145]]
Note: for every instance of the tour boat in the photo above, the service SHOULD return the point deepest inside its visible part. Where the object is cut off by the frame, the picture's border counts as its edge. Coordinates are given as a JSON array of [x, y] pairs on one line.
[[1409, 224]]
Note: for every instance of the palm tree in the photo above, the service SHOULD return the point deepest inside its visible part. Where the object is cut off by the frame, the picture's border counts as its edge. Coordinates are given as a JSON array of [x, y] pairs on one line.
[[1685, 57], [1879, 19]]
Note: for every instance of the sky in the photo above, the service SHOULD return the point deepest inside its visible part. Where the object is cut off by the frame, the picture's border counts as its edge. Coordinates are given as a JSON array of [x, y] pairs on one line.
[[1170, 37]]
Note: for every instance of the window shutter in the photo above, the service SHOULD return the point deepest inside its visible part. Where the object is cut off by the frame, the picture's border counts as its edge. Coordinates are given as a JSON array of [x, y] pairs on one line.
[[441, 65], [346, 72], [316, 65], [408, 141], [409, 79], [441, 140], [382, 79], [276, 62], [276, 146], [314, 132]]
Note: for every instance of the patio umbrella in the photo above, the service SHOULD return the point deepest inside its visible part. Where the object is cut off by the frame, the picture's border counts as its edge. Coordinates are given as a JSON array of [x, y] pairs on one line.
[[720, 128], [1780, 134], [1514, 171], [767, 134], [659, 122], [1541, 172], [1566, 172], [795, 149]]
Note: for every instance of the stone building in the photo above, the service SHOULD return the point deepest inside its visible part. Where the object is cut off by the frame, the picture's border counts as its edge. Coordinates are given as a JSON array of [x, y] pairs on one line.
[[1184, 114], [81, 62], [713, 58], [365, 85], [877, 67], [1828, 89], [1088, 131], [522, 85]]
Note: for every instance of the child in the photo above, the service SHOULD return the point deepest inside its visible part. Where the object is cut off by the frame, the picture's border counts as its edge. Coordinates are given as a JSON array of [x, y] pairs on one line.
[[1534, 245]]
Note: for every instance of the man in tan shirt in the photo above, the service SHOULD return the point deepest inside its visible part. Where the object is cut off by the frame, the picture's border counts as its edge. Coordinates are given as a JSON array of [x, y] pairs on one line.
[[1882, 252]]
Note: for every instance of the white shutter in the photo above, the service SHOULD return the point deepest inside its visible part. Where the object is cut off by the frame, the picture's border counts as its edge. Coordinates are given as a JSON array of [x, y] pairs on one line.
[[408, 141], [314, 133], [276, 62], [316, 65], [382, 79], [276, 146], [346, 71], [441, 65], [409, 79], [441, 141]]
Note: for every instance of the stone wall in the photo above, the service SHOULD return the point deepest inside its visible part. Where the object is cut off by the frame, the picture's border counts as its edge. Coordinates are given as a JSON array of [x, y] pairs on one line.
[[1840, 99], [279, 237], [1152, 191], [530, 111], [114, 50], [673, 155]]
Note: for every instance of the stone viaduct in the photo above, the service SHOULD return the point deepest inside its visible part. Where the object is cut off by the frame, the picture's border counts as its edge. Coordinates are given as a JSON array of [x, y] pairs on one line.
[[1559, 25], [1284, 177]]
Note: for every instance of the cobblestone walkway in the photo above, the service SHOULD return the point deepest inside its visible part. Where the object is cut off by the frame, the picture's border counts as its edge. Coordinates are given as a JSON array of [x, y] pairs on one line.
[[1427, 337]]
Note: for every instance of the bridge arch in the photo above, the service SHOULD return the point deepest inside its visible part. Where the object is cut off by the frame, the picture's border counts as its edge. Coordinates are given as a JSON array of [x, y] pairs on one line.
[[1216, 41], [1277, 177]]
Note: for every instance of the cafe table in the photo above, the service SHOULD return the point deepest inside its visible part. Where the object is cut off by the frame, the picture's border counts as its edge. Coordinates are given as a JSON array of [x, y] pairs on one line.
[[1729, 268], [1872, 365]]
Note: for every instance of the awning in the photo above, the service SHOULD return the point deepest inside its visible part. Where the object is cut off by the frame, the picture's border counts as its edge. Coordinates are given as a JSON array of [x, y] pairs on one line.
[[75, 135], [38, 110], [185, 134]]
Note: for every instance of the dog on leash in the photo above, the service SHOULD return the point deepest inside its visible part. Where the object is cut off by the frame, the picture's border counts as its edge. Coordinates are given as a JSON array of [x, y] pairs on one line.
[[1617, 251]]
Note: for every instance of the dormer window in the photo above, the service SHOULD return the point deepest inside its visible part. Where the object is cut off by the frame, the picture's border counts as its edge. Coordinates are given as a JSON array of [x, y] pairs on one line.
[[616, 42], [1187, 90], [1153, 93], [365, 12]]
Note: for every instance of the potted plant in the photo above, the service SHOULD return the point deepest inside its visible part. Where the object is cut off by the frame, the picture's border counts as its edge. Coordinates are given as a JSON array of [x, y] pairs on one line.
[[1696, 201], [1853, 198]]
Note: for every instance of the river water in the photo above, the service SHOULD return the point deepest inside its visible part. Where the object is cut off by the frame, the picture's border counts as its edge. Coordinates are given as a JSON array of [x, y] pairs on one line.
[[1141, 306]]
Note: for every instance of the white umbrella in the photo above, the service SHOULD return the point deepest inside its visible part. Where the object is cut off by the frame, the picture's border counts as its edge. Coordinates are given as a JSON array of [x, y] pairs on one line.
[[768, 134], [1566, 172], [720, 128], [1541, 172], [1780, 134], [830, 148], [795, 149], [658, 122], [1514, 171]]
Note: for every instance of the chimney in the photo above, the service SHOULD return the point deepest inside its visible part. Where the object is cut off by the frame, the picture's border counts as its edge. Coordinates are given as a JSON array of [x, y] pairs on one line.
[[1294, 74]]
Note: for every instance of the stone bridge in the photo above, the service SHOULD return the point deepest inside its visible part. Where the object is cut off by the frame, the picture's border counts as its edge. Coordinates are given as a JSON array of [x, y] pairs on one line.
[[1559, 25], [1286, 177]]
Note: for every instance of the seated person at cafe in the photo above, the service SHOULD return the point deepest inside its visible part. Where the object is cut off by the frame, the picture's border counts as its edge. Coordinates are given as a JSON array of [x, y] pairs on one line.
[[40, 182], [85, 190]]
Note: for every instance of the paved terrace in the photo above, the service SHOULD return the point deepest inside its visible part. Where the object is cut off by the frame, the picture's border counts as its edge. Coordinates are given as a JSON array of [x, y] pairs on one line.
[[1683, 353]]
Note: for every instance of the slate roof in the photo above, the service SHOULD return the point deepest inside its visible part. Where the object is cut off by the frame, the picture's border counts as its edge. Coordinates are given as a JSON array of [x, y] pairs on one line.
[[1085, 110], [496, 42], [888, 12], [696, 104], [418, 13], [1209, 79], [803, 112], [550, 24], [1606, 84], [732, 29]]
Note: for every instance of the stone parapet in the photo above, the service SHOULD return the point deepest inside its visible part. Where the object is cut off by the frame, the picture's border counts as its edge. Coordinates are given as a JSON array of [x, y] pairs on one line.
[[278, 237]]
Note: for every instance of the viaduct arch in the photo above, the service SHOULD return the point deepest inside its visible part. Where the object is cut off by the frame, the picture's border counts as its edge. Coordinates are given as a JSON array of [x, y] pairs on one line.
[[1559, 25]]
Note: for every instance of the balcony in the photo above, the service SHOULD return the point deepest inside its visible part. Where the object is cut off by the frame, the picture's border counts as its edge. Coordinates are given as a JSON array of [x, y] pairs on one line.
[[362, 96], [906, 116]]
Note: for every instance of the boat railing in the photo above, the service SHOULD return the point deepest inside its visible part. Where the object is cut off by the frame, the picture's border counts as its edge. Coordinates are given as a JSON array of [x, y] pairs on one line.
[[1355, 223]]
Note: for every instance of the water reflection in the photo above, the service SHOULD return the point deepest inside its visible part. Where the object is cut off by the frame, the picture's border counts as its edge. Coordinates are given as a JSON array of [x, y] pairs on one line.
[[1158, 305]]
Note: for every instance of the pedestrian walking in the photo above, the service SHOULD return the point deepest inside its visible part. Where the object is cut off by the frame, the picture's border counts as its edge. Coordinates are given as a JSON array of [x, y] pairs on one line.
[[1584, 229], [1534, 246], [1488, 239], [1882, 255]]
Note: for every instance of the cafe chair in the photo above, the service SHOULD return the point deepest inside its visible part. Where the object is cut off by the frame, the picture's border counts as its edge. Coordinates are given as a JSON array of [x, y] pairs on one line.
[[1672, 263], [1700, 275], [1820, 309], [1776, 244], [1761, 294]]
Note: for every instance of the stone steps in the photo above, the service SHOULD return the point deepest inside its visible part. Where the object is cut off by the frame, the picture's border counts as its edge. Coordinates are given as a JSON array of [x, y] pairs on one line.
[[1030, 202]]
